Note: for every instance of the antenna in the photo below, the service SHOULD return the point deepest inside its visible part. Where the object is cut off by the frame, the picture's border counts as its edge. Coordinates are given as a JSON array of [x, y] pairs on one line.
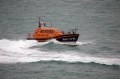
[[51, 23]]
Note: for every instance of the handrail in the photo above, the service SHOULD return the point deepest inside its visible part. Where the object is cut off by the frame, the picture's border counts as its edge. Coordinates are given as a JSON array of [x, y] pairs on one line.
[[72, 31]]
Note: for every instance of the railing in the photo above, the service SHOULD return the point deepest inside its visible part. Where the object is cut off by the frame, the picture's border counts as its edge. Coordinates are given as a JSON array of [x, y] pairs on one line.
[[72, 31]]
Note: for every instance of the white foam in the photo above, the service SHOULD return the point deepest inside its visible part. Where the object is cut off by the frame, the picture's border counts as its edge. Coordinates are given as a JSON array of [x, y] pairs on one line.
[[17, 51], [83, 43], [71, 58], [13, 51]]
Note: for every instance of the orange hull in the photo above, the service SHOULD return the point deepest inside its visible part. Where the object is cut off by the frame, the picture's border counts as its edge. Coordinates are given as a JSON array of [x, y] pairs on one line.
[[60, 38]]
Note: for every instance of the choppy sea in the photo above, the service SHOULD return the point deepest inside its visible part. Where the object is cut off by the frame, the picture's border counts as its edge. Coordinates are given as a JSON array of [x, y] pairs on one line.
[[96, 54]]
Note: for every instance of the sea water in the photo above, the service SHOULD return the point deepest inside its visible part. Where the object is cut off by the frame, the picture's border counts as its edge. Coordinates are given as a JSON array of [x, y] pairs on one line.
[[96, 54]]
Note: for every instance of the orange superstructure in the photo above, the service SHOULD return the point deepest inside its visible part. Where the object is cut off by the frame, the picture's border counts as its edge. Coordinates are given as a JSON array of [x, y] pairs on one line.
[[45, 32]]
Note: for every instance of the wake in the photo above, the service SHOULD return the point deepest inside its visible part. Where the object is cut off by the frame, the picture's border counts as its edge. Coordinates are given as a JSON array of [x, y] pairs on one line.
[[20, 51]]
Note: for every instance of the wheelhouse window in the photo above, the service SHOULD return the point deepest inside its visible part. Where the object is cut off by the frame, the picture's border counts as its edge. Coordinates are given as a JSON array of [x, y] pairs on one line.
[[46, 31]]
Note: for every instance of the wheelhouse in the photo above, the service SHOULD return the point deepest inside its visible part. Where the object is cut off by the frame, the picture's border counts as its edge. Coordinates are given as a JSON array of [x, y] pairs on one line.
[[47, 32]]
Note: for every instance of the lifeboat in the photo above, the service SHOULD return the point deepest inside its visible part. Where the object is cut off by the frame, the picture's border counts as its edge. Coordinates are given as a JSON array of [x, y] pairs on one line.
[[44, 33]]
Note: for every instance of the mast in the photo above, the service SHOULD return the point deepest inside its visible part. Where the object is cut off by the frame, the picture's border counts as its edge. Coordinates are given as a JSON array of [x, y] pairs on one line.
[[39, 22]]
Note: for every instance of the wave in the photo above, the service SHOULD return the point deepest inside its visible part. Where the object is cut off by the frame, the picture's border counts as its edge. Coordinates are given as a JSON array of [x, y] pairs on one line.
[[21, 51]]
